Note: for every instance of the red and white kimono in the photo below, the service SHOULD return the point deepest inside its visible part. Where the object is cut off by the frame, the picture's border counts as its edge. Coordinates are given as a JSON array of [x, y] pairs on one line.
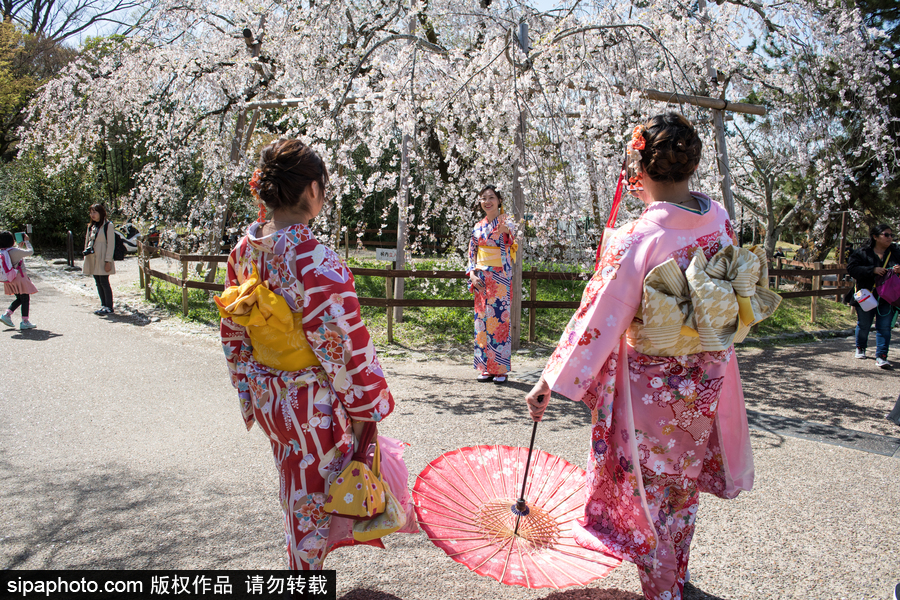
[[307, 413], [664, 428]]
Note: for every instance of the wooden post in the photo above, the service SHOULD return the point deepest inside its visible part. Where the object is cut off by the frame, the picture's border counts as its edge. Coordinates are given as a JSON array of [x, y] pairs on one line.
[[518, 194], [147, 277], [388, 294], [337, 223], [531, 311], [777, 277], [70, 249], [402, 208], [719, 125], [140, 263], [843, 247], [722, 162], [403, 192], [184, 288], [816, 285]]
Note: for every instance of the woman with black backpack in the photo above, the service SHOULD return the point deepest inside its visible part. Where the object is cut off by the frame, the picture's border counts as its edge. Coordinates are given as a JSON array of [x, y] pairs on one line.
[[99, 247]]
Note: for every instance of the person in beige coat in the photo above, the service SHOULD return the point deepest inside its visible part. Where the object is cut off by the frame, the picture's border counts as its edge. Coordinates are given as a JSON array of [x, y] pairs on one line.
[[99, 245]]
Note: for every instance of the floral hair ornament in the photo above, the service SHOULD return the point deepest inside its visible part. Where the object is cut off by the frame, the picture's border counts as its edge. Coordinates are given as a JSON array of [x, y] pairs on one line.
[[633, 168], [254, 191]]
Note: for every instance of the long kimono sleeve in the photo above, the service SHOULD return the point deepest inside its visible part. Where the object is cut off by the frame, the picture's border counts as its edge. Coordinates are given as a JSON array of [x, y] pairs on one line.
[[237, 348], [608, 305], [341, 342], [510, 241], [473, 253]]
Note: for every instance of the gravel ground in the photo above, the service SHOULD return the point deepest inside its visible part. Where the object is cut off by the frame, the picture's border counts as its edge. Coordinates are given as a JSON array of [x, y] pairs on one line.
[[121, 446]]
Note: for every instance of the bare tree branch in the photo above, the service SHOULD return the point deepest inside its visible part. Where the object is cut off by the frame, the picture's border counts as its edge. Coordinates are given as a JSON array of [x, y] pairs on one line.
[[58, 21]]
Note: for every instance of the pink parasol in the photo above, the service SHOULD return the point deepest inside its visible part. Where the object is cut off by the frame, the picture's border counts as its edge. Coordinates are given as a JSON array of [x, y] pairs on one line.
[[466, 501]]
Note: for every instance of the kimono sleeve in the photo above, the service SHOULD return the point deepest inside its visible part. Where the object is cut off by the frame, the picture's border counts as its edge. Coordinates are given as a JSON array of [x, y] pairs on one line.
[[473, 250], [236, 345], [608, 305], [341, 342]]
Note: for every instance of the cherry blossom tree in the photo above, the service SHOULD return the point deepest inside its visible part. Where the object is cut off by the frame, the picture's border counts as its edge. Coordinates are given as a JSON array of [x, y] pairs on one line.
[[452, 79]]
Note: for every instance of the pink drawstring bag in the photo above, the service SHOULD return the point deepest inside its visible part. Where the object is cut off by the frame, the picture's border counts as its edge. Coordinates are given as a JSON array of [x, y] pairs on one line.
[[393, 472], [396, 475]]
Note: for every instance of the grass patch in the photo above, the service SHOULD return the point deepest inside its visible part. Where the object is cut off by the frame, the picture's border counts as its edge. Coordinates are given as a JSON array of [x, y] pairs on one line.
[[445, 327], [793, 315], [201, 306]]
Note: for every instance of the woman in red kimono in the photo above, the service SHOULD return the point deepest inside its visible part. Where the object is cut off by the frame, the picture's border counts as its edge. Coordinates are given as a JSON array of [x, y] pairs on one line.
[[650, 351], [299, 355]]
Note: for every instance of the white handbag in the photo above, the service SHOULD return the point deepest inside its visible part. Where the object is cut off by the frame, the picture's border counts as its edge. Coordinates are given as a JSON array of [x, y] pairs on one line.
[[866, 300]]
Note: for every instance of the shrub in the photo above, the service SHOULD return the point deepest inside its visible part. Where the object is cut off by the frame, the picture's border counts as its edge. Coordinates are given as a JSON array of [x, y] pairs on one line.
[[52, 205]]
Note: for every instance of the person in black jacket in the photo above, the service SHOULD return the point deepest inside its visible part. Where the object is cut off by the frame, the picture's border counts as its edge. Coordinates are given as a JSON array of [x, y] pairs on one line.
[[866, 265]]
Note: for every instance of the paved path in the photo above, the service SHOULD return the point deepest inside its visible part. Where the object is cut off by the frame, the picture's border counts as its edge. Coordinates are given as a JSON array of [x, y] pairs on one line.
[[121, 446]]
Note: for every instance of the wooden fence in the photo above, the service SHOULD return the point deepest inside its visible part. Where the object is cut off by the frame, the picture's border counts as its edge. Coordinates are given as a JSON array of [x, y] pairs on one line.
[[811, 273], [145, 253], [804, 272], [388, 302]]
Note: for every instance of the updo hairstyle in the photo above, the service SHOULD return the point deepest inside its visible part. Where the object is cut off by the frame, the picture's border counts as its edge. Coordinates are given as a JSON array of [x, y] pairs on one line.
[[286, 168], [672, 150]]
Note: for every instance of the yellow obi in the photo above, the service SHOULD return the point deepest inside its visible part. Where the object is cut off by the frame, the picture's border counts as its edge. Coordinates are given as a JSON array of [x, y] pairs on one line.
[[489, 256], [276, 332]]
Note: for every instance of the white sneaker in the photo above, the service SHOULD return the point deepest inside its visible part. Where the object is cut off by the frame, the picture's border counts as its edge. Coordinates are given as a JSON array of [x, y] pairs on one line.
[[882, 363], [859, 353]]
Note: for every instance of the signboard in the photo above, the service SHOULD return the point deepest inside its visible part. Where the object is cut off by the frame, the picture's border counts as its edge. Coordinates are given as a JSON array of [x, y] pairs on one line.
[[389, 254]]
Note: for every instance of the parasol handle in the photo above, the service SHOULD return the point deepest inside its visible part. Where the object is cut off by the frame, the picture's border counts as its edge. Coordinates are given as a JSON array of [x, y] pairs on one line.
[[521, 508]]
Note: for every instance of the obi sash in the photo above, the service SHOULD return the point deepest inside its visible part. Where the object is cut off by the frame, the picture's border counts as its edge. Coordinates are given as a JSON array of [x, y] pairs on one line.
[[706, 308], [276, 332], [489, 256]]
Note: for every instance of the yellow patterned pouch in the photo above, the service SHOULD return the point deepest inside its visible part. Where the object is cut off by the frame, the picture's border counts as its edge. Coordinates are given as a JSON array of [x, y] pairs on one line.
[[358, 492], [388, 522]]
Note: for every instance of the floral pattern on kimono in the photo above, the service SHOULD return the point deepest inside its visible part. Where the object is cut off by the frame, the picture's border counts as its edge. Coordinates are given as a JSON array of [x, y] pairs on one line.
[[656, 439], [306, 414], [493, 345]]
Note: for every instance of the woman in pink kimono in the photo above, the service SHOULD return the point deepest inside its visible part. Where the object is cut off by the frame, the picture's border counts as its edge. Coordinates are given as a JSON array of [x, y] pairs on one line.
[[299, 355], [650, 351]]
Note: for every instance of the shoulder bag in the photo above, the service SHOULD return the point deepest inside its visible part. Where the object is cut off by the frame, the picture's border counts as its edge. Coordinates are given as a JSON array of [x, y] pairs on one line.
[[888, 285]]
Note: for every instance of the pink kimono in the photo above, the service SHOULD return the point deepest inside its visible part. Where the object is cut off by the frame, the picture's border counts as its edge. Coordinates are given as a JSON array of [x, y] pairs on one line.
[[663, 428]]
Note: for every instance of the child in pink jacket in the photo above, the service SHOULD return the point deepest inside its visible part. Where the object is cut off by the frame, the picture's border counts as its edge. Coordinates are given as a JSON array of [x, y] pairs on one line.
[[18, 284]]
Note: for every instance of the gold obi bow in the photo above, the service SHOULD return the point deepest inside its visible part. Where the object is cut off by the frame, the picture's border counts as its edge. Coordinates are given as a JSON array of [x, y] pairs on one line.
[[276, 332], [488, 256], [492, 256], [709, 307]]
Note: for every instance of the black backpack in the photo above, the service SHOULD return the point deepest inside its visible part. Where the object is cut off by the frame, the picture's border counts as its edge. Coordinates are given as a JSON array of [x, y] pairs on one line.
[[119, 250]]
